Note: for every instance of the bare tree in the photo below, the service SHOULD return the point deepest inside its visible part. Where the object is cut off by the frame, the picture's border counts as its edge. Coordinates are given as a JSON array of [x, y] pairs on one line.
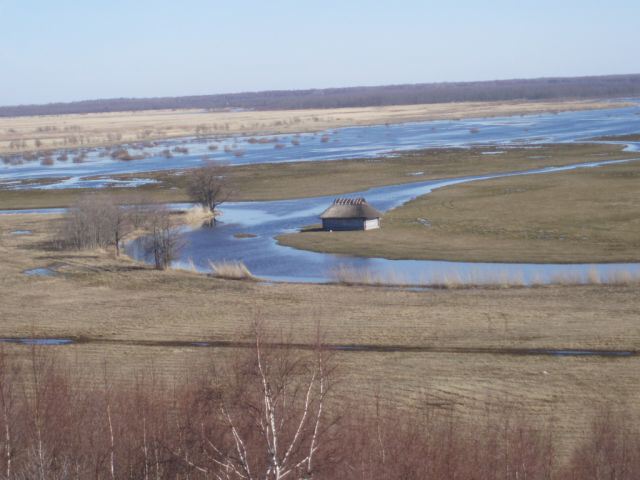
[[96, 221], [209, 185], [164, 240], [118, 219], [271, 410]]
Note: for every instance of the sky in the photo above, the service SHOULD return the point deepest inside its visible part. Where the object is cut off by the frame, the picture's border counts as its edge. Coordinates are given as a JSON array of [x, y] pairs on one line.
[[67, 50]]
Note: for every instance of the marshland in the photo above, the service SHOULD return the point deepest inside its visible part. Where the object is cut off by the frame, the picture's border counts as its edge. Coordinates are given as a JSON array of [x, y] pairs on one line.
[[334, 271]]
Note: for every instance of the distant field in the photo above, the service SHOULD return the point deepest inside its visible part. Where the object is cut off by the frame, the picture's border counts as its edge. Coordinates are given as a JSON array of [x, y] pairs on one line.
[[306, 179], [114, 305], [579, 216], [72, 131]]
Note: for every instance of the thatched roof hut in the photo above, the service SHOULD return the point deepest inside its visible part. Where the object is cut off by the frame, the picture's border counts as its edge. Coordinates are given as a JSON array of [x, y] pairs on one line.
[[350, 214]]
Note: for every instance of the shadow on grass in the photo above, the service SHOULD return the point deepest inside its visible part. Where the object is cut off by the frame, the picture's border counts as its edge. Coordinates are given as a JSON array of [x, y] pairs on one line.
[[312, 228], [44, 245]]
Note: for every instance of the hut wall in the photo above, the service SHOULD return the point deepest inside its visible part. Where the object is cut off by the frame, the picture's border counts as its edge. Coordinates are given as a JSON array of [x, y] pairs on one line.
[[343, 224], [371, 224]]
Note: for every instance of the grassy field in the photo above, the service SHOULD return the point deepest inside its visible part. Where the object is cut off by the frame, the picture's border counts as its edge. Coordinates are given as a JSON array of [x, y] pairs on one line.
[[305, 179], [133, 317], [22, 134], [579, 216]]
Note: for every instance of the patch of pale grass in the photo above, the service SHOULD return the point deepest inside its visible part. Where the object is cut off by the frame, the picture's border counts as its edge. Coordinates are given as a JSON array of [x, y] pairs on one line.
[[566, 278], [622, 277], [453, 279], [363, 276], [197, 214], [187, 266], [355, 276], [231, 270], [593, 277], [536, 280]]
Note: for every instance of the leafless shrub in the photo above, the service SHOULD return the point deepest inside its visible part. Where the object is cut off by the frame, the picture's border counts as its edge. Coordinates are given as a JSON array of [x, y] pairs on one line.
[[269, 412], [432, 443], [123, 155], [164, 240], [80, 157], [611, 450], [95, 221]]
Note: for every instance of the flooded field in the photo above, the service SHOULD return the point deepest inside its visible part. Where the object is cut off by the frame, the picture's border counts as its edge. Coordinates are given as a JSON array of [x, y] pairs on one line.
[[258, 223], [93, 167]]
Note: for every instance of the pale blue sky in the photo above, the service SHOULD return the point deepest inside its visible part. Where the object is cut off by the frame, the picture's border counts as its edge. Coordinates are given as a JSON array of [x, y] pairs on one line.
[[82, 49]]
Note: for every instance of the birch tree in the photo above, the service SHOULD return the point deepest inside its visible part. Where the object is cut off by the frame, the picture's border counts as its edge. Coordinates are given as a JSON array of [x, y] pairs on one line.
[[274, 417]]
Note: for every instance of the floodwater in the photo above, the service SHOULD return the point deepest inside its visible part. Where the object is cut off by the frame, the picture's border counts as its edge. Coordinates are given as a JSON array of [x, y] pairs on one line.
[[39, 272], [271, 261], [266, 220], [38, 341], [341, 143], [352, 348]]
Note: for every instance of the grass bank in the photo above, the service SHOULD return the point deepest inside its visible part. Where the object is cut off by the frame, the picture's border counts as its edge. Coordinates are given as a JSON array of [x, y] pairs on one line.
[[579, 216]]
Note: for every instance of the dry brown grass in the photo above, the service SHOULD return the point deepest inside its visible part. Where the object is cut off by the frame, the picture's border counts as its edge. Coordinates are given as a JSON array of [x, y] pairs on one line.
[[70, 131], [580, 216], [120, 308], [94, 292]]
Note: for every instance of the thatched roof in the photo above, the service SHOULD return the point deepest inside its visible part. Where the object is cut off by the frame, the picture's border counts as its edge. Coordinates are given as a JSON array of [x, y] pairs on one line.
[[351, 208]]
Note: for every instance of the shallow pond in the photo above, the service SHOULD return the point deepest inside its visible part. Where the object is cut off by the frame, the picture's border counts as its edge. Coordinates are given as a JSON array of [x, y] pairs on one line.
[[38, 341], [39, 272]]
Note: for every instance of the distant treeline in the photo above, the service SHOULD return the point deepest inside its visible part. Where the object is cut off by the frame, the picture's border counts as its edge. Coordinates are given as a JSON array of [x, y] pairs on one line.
[[612, 86]]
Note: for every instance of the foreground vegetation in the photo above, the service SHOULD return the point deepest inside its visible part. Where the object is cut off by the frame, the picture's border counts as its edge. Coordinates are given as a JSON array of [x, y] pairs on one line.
[[271, 413], [461, 353], [579, 216], [305, 179]]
